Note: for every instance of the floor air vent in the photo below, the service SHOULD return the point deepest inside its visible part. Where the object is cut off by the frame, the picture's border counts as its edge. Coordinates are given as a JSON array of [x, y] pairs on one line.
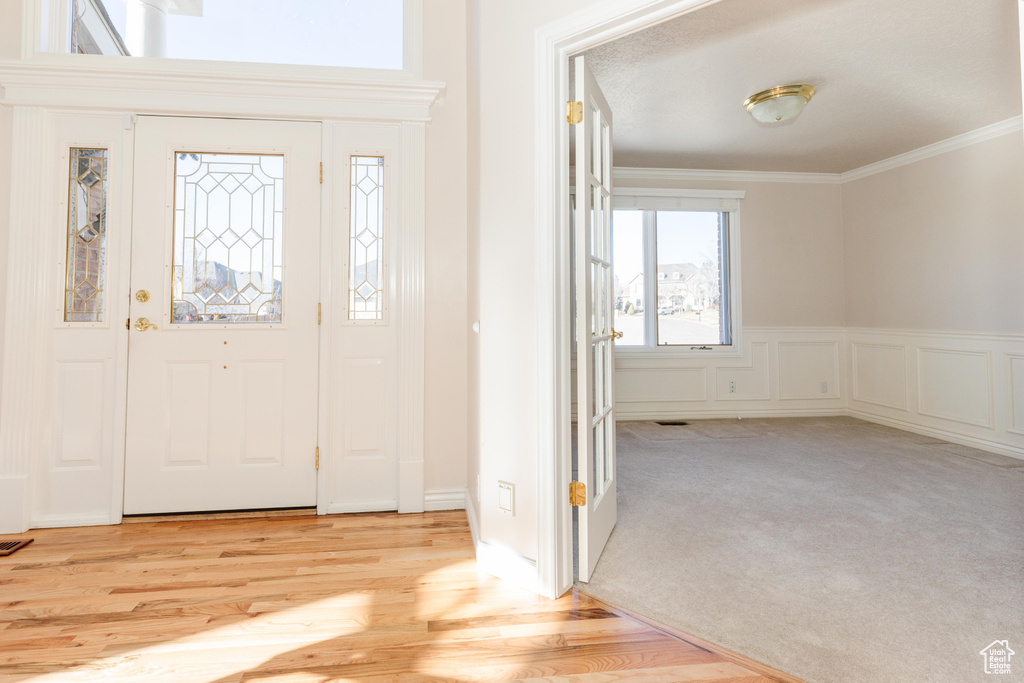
[[673, 423], [8, 547]]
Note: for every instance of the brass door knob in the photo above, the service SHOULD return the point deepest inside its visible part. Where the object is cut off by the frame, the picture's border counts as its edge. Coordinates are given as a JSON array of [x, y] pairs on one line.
[[616, 335], [143, 324]]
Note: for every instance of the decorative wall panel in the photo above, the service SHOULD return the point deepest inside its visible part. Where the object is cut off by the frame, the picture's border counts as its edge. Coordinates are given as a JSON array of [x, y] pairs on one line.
[[880, 374], [955, 385]]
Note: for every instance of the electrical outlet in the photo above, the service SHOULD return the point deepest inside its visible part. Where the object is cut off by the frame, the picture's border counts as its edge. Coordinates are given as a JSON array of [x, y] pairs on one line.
[[507, 498], [732, 386], [824, 387]]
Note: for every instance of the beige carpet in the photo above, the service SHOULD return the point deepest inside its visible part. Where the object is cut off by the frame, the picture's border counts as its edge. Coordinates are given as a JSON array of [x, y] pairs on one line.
[[830, 548]]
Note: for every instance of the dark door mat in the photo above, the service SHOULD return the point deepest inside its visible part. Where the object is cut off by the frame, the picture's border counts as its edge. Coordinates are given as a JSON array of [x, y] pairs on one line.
[[9, 547], [673, 423]]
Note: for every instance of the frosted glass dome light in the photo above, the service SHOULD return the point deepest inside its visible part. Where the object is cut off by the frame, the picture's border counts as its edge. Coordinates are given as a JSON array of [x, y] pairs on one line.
[[780, 103]]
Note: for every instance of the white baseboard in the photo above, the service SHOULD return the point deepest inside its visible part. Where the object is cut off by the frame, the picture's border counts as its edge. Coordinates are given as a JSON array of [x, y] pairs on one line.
[[72, 521], [952, 437], [444, 499], [365, 506], [501, 562], [624, 415], [474, 530], [13, 505]]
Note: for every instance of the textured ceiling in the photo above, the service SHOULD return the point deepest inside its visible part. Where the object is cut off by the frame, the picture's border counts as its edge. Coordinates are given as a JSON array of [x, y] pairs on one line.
[[892, 76]]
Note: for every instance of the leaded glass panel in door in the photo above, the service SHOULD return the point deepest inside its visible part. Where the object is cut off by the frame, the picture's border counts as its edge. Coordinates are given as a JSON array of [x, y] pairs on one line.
[[228, 238]]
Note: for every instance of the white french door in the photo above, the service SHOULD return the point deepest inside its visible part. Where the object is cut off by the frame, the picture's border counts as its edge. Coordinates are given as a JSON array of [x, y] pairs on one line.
[[595, 352], [223, 369]]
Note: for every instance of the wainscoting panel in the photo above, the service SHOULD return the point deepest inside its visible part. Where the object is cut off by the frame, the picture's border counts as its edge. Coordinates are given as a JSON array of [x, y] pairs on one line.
[[880, 374], [808, 370], [955, 385], [964, 388], [750, 383], [1016, 364], [677, 385], [665, 385]]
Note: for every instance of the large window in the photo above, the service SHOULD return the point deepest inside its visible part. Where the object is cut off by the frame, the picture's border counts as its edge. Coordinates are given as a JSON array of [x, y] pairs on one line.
[[674, 261], [350, 33]]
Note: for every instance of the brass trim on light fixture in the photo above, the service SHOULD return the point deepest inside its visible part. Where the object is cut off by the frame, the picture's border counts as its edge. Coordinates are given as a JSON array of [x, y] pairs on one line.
[[802, 89]]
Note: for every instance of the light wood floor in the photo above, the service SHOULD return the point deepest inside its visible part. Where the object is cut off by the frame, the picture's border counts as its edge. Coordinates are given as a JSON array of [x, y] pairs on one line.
[[376, 597]]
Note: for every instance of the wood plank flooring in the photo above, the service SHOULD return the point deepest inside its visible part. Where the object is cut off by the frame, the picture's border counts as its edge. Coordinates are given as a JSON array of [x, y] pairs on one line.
[[374, 597]]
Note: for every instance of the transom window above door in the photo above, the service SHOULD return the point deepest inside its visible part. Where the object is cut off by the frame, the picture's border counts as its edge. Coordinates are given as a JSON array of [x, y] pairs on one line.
[[366, 34]]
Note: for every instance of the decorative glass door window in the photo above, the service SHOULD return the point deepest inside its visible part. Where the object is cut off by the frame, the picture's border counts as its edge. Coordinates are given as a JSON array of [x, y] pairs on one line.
[[87, 231], [366, 297], [228, 241]]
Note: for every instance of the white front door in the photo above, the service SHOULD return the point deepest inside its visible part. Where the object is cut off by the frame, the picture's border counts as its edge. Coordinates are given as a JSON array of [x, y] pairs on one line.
[[595, 288], [222, 369]]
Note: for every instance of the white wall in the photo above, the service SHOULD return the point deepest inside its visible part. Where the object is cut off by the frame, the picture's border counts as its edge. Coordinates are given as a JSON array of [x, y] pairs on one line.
[[473, 256], [792, 339], [791, 236], [445, 438], [505, 370], [934, 262], [937, 244]]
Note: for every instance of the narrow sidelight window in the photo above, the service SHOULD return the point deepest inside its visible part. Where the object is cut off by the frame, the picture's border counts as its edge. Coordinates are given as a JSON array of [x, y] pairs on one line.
[[87, 234], [366, 297]]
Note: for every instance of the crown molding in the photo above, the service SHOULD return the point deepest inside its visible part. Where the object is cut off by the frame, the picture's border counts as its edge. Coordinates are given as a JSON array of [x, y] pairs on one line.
[[279, 93], [973, 137], [693, 174]]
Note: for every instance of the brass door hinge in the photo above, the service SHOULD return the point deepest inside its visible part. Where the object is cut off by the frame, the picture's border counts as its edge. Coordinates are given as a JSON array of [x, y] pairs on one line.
[[318, 314], [321, 173], [318, 457], [573, 112], [577, 494], [128, 324]]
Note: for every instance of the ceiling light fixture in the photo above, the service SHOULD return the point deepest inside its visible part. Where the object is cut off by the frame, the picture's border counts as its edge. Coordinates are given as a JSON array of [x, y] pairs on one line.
[[781, 103]]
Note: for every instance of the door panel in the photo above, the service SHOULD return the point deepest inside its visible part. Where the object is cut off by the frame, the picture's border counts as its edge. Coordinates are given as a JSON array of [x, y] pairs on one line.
[[595, 354], [222, 389]]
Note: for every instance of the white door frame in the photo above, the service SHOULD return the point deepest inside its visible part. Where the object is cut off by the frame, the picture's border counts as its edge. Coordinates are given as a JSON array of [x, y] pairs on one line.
[[37, 94], [554, 44]]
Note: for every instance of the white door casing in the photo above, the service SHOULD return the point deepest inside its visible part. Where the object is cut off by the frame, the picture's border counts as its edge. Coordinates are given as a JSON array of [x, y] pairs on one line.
[[223, 415], [594, 304]]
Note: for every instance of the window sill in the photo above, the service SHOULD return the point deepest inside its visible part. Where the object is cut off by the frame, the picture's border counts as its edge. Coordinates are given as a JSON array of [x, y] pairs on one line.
[[677, 352]]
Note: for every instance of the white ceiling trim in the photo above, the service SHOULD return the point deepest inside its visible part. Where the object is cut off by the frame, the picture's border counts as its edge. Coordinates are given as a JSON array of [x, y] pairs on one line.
[[941, 147], [687, 174]]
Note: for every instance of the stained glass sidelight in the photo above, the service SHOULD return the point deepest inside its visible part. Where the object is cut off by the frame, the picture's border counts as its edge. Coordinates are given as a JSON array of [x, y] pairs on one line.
[[366, 240], [87, 230], [228, 221]]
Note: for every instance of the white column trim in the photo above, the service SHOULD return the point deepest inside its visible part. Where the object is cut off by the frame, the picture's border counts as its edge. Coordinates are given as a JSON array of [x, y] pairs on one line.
[[410, 296], [23, 434]]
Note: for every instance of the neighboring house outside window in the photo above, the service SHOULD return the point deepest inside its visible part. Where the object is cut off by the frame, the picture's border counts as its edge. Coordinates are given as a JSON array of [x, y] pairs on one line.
[[679, 250]]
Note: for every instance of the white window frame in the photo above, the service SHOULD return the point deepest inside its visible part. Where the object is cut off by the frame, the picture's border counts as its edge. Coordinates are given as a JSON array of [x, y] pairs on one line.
[[661, 199], [45, 33]]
